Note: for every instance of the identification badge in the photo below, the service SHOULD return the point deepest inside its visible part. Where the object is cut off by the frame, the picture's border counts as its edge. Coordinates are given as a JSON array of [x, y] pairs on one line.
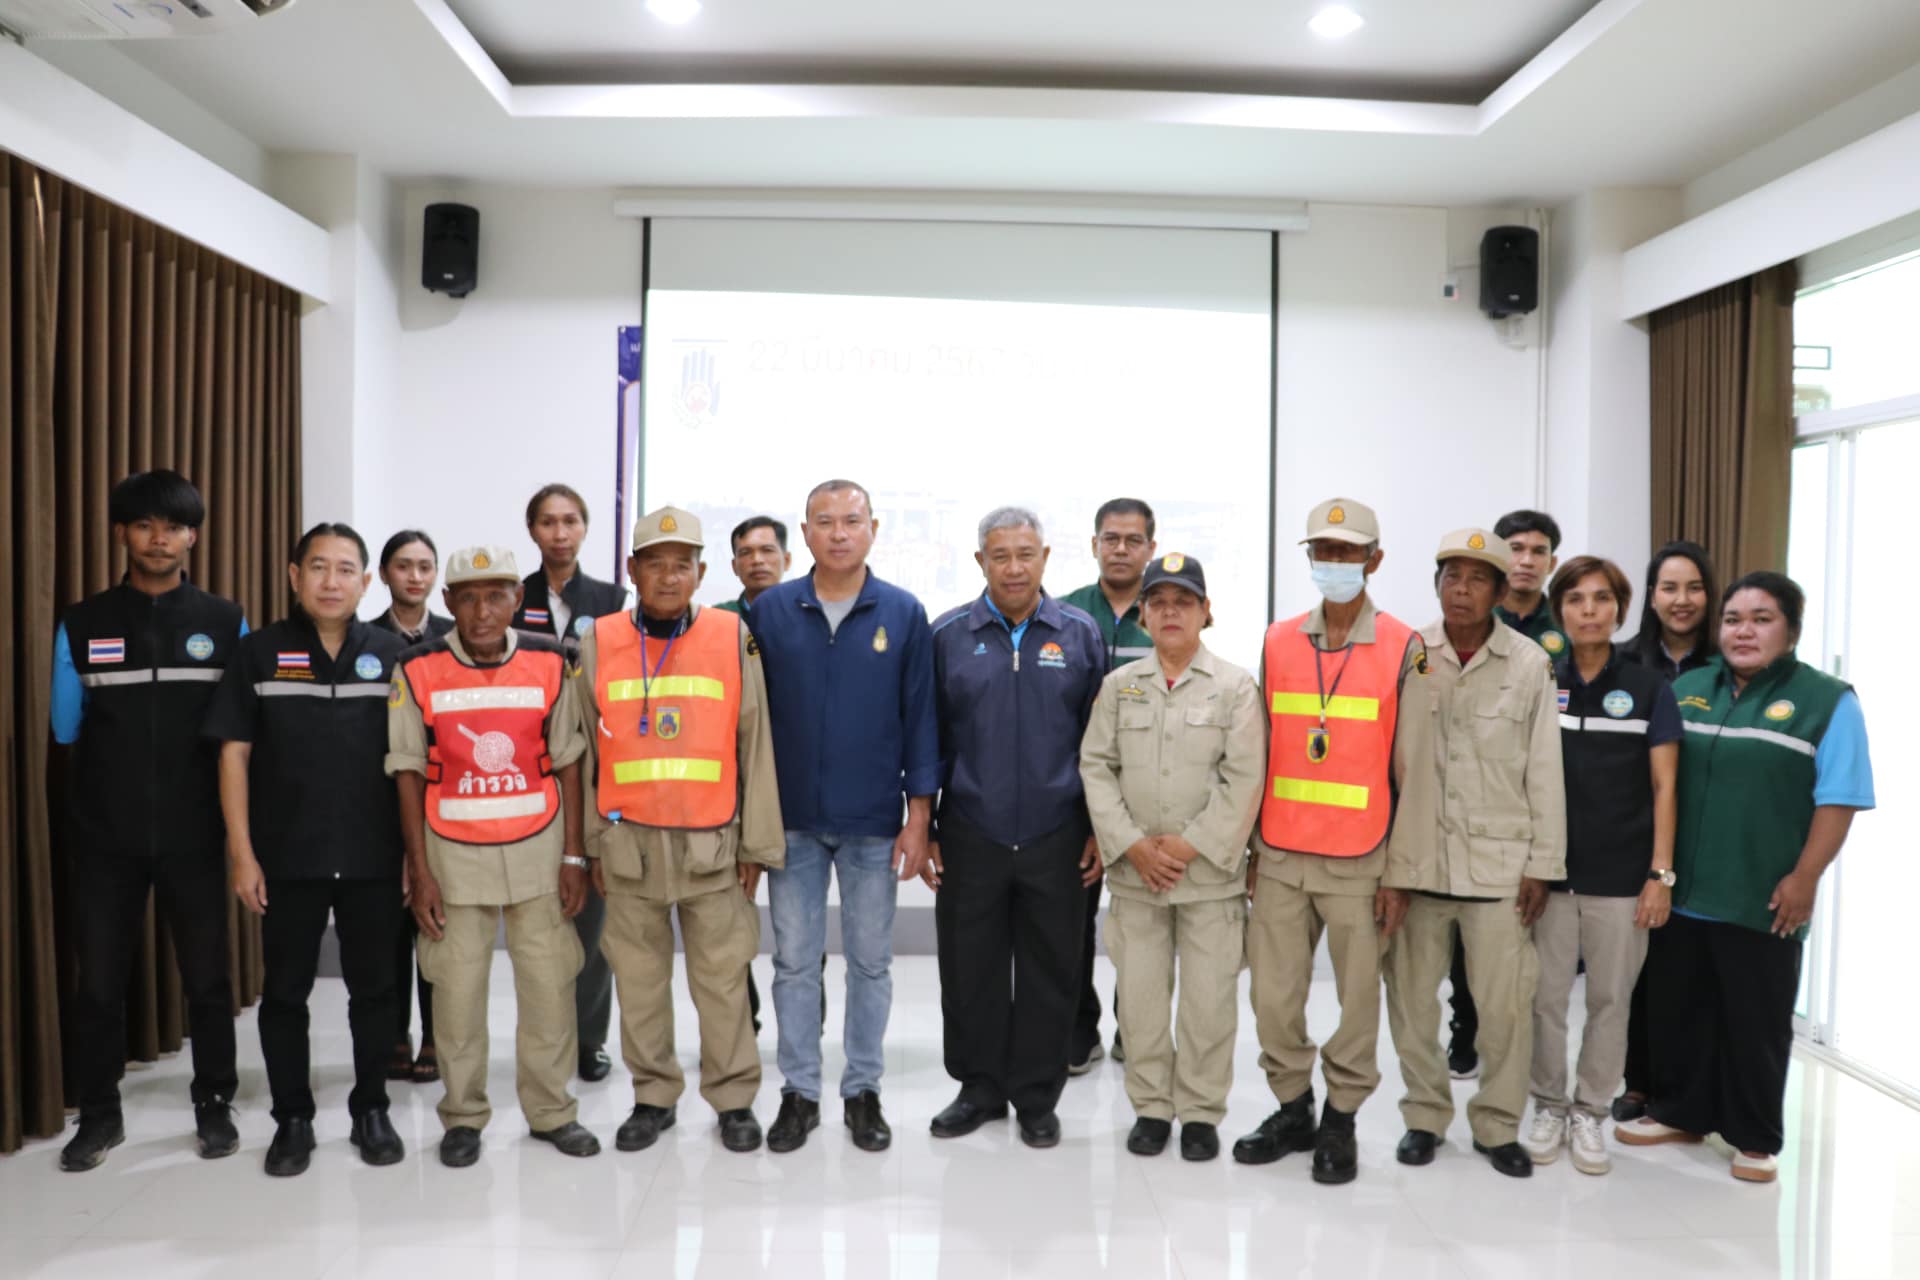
[[1319, 743]]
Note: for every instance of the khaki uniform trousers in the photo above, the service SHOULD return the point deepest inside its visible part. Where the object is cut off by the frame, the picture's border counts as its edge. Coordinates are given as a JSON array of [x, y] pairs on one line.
[[546, 956], [1600, 929], [721, 931], [1182, 1070], [1286, 928], [1502, 971]]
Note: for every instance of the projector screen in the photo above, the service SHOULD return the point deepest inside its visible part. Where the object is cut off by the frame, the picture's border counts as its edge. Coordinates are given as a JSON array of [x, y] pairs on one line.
[[955, 368]]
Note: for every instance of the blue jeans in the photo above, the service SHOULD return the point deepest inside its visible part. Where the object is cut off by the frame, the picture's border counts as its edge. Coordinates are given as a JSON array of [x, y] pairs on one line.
[[868, 891]]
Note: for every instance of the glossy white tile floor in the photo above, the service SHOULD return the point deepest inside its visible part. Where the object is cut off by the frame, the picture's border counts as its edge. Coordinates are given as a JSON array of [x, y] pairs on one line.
[[1847, 1204]]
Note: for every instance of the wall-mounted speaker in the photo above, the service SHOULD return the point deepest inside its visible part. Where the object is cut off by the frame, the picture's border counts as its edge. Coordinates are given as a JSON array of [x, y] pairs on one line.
[[1509, 271], [450, 249]]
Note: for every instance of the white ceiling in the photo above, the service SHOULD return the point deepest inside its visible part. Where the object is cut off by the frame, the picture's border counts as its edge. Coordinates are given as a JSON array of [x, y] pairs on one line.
[[1409, 49], [1639, 93]]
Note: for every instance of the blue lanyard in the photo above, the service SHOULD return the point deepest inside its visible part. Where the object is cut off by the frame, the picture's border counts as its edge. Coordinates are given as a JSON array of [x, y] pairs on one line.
[[647, 677]]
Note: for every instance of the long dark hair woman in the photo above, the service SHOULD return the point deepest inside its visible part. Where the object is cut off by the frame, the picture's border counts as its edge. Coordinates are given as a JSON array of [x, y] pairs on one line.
[[1677, 627]]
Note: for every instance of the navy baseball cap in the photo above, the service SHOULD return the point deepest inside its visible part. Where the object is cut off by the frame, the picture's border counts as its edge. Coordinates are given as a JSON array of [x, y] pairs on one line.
[[1184, 570]]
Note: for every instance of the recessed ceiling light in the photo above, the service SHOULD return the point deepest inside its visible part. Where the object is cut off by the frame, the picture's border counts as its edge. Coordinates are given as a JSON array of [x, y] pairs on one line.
[[678, 11], [1332, 22]]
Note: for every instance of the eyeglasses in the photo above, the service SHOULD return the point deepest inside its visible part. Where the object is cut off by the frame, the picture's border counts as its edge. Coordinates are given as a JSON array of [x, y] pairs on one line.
[[1115, 541]]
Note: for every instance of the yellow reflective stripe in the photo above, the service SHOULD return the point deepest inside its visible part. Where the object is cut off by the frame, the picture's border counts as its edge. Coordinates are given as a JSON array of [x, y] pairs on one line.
[[666, 687], [1339, 795], [684, 770], [1339, 707]]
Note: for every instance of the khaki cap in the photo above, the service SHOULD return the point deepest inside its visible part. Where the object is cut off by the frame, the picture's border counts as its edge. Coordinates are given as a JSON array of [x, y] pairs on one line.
[[1474, 544], [481, 564], [667, 524], [1343, 520]]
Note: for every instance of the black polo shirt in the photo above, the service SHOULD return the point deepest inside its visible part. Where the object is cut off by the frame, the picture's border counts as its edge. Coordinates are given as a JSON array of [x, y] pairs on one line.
[[321, 805], [1607, 730]]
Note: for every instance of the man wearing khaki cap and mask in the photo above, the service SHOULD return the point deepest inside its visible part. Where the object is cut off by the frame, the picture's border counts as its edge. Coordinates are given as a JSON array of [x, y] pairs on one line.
[[484, 742], [1331, 681], [683, 813], [1480, 831]]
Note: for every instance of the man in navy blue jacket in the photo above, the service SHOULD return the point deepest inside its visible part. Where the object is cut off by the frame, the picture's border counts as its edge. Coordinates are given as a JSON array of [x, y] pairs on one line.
[[849, 666], [1015, 673]]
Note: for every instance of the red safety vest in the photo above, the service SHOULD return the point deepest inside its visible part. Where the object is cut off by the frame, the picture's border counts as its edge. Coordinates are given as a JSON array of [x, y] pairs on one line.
[[489, 778], [684, 771], [1338, 806]]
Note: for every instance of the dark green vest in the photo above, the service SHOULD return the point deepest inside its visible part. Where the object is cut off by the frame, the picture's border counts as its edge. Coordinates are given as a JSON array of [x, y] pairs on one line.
[[1746, 784]]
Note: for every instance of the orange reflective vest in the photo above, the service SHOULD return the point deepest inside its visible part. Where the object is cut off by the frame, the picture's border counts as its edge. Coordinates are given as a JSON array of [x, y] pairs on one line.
[[489, 778], [683, 771], [1340, 804]]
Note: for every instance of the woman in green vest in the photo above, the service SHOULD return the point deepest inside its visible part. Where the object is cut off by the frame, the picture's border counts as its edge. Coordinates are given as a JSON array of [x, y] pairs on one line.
[[1772, 769]]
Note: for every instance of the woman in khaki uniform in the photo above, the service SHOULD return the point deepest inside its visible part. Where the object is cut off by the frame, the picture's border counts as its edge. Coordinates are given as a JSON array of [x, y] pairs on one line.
[[1173, 763]]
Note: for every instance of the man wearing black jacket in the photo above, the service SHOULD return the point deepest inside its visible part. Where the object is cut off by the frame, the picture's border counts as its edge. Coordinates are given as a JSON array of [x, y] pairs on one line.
[[134, 668]]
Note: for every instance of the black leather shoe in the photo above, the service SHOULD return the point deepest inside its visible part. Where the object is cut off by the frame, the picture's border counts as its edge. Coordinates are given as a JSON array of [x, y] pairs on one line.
[[1148, 1137], [1509, 1158], [739, 1130], [460, 1146], [373, 1134], [594, 1064], [870, 1130], [213, 1129], [291, 1148], [1417, 1147], [963, 1116], [88, 1148], [1199, 1141], [1336, 1155], [798, 1117], [1040, 1130], [1629, 1106], [643, 1127], [1288, 1129], [570, 1139]]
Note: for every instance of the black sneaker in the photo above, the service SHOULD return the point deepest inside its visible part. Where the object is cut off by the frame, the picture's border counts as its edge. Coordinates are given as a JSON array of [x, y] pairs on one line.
[[1290, 1128], [797, 1118], [213, 1129], [88, 1148], [870, 1129]]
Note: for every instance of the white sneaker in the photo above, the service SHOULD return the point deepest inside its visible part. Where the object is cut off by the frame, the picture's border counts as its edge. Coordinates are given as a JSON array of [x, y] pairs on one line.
[[1546, 1137], [1755, 1168], [1588, 1145]]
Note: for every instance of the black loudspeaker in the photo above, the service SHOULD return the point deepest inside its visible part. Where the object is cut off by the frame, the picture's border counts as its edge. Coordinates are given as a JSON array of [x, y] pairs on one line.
[[450, 249], [1509, 271]]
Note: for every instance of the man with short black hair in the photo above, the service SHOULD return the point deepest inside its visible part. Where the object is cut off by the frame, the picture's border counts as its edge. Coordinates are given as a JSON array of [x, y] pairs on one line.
[[760, 559], [134, 668], [1533, 540]]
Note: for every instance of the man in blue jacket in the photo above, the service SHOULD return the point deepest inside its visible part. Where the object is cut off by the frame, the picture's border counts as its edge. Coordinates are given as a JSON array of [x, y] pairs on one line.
[[849, 666], [1015, 673]]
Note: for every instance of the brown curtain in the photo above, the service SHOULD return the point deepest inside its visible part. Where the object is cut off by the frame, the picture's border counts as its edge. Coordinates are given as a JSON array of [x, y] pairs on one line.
[[1723, 420], [141, 350]]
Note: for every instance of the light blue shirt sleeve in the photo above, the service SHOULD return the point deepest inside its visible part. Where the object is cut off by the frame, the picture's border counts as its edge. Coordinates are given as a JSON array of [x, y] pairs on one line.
[[69, 695], [1843, 774], [243, 628]]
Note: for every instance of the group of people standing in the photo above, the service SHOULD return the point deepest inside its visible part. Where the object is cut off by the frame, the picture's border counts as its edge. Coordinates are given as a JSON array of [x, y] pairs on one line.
[[1498, 797]]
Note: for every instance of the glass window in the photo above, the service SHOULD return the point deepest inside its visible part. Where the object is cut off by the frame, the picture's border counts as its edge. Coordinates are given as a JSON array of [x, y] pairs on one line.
[[1854, 339]]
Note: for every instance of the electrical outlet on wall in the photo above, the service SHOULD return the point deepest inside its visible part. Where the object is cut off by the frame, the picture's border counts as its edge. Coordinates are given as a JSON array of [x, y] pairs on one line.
[[1449, 288]]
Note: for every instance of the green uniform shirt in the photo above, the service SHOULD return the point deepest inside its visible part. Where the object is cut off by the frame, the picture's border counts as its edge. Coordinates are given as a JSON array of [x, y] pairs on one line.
[[1537, 627], [737, 605], [1747, 774], [1126, 640]]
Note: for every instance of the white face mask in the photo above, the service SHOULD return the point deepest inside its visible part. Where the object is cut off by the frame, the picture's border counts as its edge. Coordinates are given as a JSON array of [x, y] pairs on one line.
[[1339, 583]]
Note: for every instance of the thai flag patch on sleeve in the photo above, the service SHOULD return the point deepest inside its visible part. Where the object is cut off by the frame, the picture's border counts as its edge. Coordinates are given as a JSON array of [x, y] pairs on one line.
[[107, 650], [539, 618], [294, 661]]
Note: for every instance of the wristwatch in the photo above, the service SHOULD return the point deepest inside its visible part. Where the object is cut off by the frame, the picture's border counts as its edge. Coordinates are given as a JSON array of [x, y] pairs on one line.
[[1663, 877], [581, 863]]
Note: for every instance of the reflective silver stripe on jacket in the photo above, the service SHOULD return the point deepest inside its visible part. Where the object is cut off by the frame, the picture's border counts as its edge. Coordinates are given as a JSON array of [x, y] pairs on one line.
[[153, 675], [1786, 740], [1593, 724], [314, 689]]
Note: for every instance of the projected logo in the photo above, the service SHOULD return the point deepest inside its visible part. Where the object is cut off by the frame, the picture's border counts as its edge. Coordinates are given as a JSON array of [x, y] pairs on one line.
[[697, 402]]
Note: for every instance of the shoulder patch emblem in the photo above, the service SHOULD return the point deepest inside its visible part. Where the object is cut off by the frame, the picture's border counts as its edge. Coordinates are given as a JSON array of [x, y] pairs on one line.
[[397, 691], [753, 646], [1781, 710], [199, 646], [1553, 642], [1618, 704]]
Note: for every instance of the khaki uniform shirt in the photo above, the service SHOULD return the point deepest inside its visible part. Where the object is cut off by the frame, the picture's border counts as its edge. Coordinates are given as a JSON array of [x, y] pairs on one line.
[[1482, 798], [667, 865], [1190, 761], [490, 874], [1313, 872]]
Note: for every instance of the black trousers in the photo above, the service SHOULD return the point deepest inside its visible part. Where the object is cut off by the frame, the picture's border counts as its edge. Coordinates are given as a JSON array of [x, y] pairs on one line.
[[1010, 926], [366, 916], [1086, 1013], [1639, 1073], [593, 989], [1720, 1005], [190, 894], [1466, 1018], [406, 974]]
